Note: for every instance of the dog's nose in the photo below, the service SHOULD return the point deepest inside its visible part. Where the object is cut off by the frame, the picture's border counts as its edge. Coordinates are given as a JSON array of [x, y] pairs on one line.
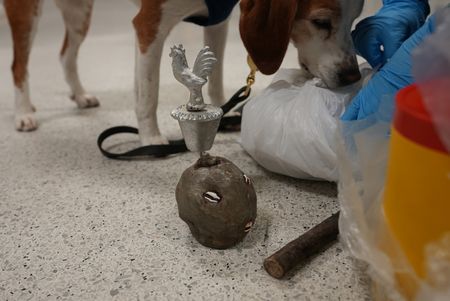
[[349, 76]]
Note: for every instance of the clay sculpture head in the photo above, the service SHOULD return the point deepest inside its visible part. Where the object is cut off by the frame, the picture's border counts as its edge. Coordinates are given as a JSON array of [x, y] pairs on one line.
[[218, 202]]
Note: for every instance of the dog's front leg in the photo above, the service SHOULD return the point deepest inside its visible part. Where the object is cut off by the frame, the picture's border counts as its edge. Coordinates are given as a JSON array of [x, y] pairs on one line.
[[146, 91], [152, 28], [23, 16], [215, 37]]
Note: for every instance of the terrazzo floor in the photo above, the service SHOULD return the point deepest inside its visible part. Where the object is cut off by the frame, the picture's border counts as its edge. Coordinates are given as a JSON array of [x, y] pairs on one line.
[[77, 226]]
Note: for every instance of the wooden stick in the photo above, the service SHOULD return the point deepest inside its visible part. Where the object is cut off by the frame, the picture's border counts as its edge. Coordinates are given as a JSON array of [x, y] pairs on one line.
[[300, 249]]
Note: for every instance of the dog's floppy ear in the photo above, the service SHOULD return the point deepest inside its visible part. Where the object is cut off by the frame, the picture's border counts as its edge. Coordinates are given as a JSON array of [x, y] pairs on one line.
[[265, 27]]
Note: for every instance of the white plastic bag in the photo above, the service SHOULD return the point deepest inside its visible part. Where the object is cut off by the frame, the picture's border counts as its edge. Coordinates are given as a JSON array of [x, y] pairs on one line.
[[290, 127], [437, 47]]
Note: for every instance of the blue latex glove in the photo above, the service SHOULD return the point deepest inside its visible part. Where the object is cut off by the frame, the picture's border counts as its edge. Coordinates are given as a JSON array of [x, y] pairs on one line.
[[395, 22], [395, 75]]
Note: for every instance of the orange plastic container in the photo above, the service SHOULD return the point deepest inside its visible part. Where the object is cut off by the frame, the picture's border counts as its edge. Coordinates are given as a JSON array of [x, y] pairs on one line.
[[417, 191]]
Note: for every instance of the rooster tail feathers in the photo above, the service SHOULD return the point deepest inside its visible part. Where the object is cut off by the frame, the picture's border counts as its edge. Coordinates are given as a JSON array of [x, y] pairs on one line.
[[204, 63]]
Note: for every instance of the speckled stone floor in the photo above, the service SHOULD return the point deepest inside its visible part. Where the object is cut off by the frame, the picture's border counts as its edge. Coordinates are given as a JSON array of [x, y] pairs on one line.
[[77, 226]]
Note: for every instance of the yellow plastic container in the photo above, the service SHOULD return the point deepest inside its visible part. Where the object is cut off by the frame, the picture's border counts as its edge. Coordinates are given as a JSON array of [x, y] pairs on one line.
[[417, 191]]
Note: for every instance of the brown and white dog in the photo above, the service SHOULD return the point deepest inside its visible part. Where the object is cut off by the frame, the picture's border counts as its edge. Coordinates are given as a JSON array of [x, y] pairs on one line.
[[320, 29]]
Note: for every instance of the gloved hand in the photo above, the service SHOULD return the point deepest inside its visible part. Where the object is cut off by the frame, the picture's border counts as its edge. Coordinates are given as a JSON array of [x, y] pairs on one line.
[[395, 22], [395, 75]]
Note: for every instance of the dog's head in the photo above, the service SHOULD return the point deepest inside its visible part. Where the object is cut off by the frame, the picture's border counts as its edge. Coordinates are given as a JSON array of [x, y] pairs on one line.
[[319, 29]]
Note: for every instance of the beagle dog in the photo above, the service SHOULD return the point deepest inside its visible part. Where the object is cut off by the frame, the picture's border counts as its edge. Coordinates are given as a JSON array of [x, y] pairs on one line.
[[320, 29]]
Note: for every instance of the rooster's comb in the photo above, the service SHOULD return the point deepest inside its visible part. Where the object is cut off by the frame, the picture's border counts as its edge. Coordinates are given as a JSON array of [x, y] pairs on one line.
[[177, 50]]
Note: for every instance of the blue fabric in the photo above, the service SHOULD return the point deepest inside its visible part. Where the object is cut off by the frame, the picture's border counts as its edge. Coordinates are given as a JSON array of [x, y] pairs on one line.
[[218, 11]]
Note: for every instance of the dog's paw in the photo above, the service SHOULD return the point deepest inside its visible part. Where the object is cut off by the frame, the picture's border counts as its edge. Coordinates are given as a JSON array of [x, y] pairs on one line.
[[84, 101], [26, 122], [154, 140]]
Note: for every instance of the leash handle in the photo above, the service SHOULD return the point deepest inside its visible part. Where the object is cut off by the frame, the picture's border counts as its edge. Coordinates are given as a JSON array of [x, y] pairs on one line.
[[158, 151], [227, 124]]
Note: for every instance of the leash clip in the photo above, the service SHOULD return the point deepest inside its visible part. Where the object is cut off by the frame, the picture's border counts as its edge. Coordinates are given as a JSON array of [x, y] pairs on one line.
[[251, 78]]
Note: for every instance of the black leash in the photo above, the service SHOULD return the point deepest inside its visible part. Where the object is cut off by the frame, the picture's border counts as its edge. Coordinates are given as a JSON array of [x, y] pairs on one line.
[[227, 124]]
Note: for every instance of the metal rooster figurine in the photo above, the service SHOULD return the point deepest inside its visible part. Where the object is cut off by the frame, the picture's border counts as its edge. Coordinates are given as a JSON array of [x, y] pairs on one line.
[[194, 79], [215, 198]]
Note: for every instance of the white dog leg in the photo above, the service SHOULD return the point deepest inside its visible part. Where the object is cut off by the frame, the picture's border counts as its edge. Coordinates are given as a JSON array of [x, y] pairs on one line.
[[150, 43], [23, 16], [77, 16], [215, 37], [147, 90]]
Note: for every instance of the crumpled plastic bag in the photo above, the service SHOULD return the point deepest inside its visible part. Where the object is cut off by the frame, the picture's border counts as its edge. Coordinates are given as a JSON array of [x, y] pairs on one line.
[[290, 128], [432, 61], [363, 152]]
